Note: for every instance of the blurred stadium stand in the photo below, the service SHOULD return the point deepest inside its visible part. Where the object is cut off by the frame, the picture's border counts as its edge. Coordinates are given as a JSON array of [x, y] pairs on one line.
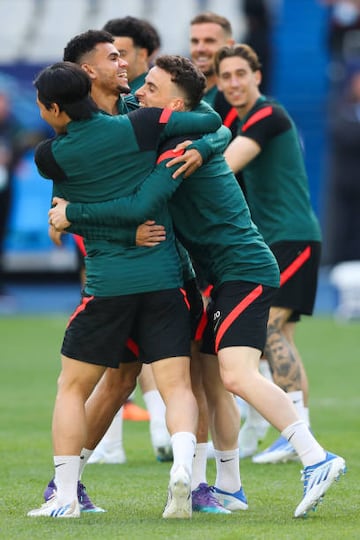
[[36, 30], [34, 33]]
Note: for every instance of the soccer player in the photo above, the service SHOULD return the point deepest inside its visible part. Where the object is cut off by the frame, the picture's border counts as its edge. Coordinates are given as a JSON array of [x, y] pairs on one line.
[[137, 42], [268, 152], [208, 33], [213, 222], [110, 90], [93, 156]]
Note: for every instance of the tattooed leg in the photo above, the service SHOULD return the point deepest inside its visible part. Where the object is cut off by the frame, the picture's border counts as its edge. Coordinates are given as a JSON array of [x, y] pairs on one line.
[[283, 359]]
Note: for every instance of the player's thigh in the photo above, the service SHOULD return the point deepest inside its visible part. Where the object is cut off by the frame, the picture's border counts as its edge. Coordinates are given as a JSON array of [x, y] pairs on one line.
[[163, 326]]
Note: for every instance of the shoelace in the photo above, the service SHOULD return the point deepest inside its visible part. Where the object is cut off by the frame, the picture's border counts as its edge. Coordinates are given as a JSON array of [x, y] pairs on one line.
[[212, 496]]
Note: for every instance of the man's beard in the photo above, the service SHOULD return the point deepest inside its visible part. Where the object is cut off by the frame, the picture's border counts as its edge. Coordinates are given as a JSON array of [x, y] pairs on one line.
[[209, 72], [124, 89]]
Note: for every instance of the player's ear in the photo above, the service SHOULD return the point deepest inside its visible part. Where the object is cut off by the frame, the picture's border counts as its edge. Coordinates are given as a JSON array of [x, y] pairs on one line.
[[177, 104], [88, 69], [55, 109], [258, 77]]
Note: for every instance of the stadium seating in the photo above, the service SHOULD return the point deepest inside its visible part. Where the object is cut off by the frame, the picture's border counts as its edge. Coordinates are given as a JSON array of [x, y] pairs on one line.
[[58, 22], [36, 31], [14, 25]]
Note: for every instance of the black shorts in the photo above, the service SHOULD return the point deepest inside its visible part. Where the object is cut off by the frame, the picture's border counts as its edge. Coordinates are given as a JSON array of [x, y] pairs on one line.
[[158, 323], [299, 267], [237, 316], [196, 305]]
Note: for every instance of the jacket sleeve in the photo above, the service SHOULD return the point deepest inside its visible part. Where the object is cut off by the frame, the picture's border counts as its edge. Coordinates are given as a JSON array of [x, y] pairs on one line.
[[153, 193]]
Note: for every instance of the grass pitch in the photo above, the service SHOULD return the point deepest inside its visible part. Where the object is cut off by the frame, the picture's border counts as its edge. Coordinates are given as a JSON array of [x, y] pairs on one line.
[[134, 494]]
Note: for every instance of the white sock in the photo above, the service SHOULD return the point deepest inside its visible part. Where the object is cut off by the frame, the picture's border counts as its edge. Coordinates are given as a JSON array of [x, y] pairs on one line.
[[154, 403], [228, 470], [199, 466], [66, 478], [112, 441], [158, 429], [297, 398], [305, 444], [183, 445], [307, 415], [84, 457]]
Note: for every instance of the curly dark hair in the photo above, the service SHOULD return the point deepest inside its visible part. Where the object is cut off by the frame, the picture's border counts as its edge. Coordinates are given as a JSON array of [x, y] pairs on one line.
[[142, 33], [185, 75]]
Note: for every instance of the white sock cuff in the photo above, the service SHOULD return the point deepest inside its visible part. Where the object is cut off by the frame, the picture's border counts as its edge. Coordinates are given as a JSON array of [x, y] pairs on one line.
[[59, 460], [227, 454], [296, 396], [180, 435], [288, 432]]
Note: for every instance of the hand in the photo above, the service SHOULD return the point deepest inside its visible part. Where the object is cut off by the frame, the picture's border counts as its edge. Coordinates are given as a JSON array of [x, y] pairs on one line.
[[191, 160], [57, 214], [149, 234], [55, 236]]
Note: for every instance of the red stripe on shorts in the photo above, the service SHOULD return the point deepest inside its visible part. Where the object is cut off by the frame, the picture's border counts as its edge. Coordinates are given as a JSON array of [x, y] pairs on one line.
[[295, 265], [80, 308], [206, 292], [133, 347], [245, 302], [201, 326], [185, 298]]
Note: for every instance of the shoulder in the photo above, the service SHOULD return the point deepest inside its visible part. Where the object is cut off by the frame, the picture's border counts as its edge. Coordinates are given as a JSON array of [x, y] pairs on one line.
[[269, 115], [148, 125], [46, 162], [150, 114]]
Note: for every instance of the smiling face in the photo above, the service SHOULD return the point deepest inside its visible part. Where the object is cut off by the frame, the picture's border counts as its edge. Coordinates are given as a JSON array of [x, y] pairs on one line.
[[136, 57], [159, 91], [107, 69], [205, 40], [239, 83]]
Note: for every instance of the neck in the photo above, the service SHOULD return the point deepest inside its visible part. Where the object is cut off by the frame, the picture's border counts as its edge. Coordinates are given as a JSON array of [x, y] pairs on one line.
[[210, 82], [105, 102], [142, 70], [242, 111]]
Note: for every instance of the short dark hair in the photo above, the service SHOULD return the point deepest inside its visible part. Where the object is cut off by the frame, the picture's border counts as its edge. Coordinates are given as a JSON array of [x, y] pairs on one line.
[[142, 33], [84, 43], [210, 17], [185, 75], [239, 49], [67, 85]]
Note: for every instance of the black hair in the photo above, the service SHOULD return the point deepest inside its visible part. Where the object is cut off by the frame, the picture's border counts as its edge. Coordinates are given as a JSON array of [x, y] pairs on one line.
[[84, 43], [67, 85], [142, 33]]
